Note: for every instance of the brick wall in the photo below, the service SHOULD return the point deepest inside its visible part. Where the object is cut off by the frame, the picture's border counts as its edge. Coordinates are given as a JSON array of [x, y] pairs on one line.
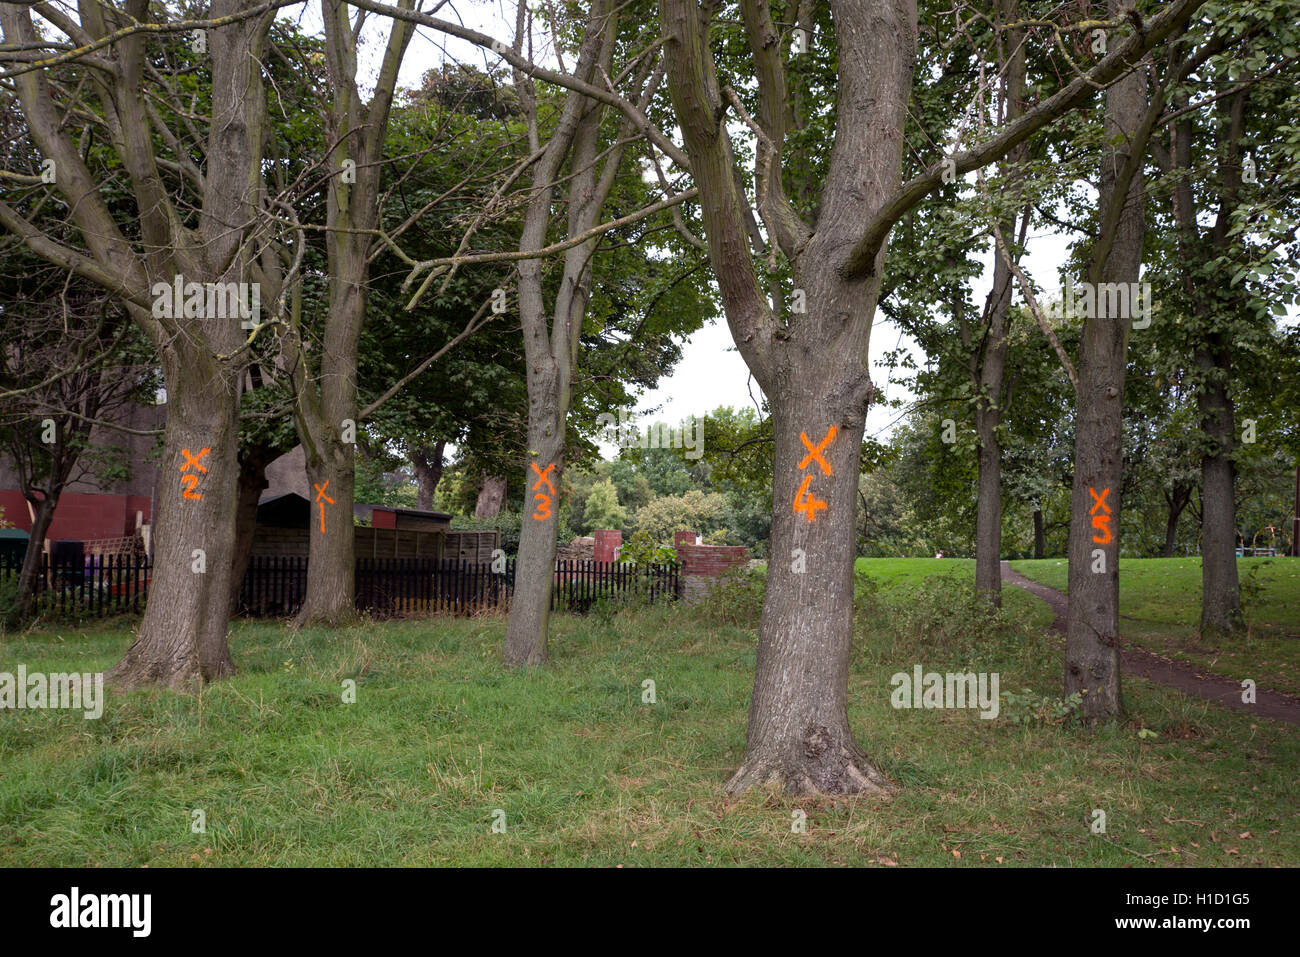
[[607, 544], [83, 516], [703, 565]]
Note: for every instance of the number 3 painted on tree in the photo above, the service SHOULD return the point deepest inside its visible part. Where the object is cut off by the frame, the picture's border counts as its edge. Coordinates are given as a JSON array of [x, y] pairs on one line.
[[543, 510]]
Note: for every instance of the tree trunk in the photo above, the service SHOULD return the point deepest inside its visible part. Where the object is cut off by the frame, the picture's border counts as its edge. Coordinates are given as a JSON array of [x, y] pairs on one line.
[[530, 605], [252, 482], [1092, 666], [989, 377], [331, 565], [1040, 540], [428, 472], [552, 337], [799, 736], [1177, 501], [182, 638], [355, 132], [42, 516], [1220, 589], [988, 512], [490, 497]]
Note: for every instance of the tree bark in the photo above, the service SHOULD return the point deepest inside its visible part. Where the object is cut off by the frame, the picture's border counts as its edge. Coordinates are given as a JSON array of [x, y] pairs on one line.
[[490, 497], [1177, 501], [988, 510], [428, 471], [1040, 539], [1092, 665], [182, 638], [1220, 587], [799, 738], [42, 515]]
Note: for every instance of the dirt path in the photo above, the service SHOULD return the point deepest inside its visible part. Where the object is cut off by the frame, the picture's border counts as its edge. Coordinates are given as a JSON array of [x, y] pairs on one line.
[[1174, 674]]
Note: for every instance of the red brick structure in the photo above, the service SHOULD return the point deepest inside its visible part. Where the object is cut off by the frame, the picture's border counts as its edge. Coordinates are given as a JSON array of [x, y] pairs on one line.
[[703, 565], [608, 542], [85, 516], [685, 537]]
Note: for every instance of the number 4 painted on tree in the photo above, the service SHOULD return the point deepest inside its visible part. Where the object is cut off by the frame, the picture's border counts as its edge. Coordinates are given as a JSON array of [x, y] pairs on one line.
[[804, 502]]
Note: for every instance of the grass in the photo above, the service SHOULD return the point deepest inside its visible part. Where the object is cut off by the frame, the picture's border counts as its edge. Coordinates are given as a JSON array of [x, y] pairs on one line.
[[587, 774], [1160, 609]]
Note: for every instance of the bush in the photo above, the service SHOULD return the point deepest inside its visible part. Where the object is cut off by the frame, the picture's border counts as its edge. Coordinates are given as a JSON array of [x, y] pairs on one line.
[[9, 604], [643, 550], [944, 615]]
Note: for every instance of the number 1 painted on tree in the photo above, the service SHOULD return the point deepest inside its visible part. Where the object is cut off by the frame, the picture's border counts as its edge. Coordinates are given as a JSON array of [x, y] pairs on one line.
[[320, 494]]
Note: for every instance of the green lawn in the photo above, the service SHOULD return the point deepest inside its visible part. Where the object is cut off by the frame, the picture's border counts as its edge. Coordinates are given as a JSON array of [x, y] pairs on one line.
[[441, 736], [1160, 605]]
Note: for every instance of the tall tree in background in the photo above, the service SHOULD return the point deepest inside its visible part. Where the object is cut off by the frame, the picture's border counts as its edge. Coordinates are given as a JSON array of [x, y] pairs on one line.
[[1233, 173]]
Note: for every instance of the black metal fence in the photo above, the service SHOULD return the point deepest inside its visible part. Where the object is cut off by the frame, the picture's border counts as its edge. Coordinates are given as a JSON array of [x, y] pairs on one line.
[[86, 586], [274, 586]]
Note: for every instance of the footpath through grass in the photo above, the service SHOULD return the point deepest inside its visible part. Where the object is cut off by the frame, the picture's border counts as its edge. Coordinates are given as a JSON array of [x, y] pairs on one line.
[[1160, 609], [441, 736]]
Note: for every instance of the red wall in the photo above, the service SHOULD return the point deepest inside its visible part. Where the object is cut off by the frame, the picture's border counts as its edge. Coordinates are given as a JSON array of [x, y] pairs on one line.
[[82, 515]]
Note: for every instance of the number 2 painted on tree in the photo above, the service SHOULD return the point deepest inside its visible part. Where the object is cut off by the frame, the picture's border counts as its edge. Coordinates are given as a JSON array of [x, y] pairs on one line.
[[191, 481]]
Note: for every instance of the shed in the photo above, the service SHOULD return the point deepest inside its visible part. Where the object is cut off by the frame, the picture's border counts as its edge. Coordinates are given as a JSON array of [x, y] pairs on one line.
[[13, 545]]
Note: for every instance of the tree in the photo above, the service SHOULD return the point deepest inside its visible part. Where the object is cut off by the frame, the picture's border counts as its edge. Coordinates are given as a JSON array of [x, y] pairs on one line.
[[1233, 257], [187, 225], [325, 384], [810, 361], [602, 509], [68, 365], [811, 365]]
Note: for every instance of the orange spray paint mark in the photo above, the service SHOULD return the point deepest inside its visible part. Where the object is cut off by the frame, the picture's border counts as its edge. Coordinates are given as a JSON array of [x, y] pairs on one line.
[[1101, 521], [191, 481], [543, 509], [320, 494], [805, 503]]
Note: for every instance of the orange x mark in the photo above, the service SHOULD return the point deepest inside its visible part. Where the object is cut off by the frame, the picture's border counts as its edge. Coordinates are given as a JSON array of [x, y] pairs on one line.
[[541, 476], [320, 492], [1099, 501], [815, 454], [193, 460]]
